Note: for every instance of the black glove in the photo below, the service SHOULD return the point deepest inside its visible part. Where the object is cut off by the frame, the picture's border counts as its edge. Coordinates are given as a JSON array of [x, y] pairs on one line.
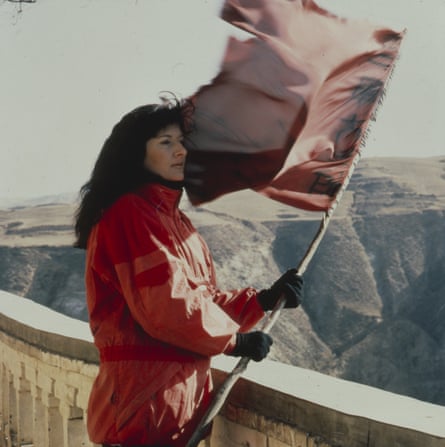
[[290, 284], [255, 345]]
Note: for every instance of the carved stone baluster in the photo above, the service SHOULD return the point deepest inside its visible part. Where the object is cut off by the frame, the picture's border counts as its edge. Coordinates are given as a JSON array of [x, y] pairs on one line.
[[4, 401], [26, 410], [41, 424], [55, 423], [13, 408]]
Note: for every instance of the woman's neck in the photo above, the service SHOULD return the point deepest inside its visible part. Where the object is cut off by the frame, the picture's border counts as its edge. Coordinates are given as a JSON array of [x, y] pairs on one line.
[[155, 178]]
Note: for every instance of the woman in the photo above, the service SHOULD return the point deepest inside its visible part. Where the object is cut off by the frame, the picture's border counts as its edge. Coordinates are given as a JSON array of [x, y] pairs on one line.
[[155, 311]]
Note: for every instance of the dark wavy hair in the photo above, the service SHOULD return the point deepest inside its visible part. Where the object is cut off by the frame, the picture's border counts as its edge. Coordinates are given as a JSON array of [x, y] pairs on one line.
[[120, 167]]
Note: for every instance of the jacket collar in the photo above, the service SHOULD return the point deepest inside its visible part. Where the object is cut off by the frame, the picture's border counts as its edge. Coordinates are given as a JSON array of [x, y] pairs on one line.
[[160, 196]]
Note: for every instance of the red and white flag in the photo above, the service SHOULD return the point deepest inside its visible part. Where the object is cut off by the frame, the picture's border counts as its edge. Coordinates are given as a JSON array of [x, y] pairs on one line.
[[290, 106]]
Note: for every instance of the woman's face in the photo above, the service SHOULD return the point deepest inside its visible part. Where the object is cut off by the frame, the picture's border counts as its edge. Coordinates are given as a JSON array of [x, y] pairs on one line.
[[165, 154]]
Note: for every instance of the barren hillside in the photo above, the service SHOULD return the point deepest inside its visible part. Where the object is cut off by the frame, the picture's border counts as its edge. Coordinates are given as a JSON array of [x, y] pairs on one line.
[[374, 308]]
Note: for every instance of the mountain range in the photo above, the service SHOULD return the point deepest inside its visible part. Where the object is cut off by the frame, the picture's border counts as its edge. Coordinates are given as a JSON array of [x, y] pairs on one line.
[[374, 304]]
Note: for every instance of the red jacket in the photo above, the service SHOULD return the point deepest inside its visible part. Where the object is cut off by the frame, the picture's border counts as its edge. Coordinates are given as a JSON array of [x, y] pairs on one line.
[[157, 317]]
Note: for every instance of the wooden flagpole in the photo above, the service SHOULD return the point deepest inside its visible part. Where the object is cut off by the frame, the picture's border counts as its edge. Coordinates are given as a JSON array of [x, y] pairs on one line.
[[221, 395]]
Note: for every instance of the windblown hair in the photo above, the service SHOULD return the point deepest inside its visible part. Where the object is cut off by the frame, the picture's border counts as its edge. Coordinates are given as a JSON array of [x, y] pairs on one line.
[[119, 167]]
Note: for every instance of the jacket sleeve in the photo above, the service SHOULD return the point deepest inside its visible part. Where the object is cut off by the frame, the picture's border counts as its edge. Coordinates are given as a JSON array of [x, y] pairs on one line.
[[161, 286], [241, 305]]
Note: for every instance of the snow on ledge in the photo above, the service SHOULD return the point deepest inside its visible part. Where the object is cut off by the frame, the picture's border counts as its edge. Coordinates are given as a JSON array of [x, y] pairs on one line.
[[343, 396], [42, 318]]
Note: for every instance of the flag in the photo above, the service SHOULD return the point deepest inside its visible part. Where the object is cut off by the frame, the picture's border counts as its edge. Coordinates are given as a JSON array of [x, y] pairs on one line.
[[290, 106]]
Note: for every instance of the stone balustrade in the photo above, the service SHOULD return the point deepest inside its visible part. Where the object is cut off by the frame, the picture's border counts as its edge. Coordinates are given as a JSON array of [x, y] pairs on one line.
[[48, 364]]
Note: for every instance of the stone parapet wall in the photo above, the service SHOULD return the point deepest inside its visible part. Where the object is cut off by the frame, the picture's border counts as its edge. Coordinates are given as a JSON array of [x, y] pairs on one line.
[[48, 364], [43, 396], [263, 416]]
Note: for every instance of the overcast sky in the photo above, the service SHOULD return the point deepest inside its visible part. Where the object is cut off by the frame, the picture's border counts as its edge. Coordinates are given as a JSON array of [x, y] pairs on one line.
[[71, 69]]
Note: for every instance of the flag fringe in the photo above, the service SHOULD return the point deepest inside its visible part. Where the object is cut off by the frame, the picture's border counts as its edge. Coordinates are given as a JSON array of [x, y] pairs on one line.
[[381, 98]]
